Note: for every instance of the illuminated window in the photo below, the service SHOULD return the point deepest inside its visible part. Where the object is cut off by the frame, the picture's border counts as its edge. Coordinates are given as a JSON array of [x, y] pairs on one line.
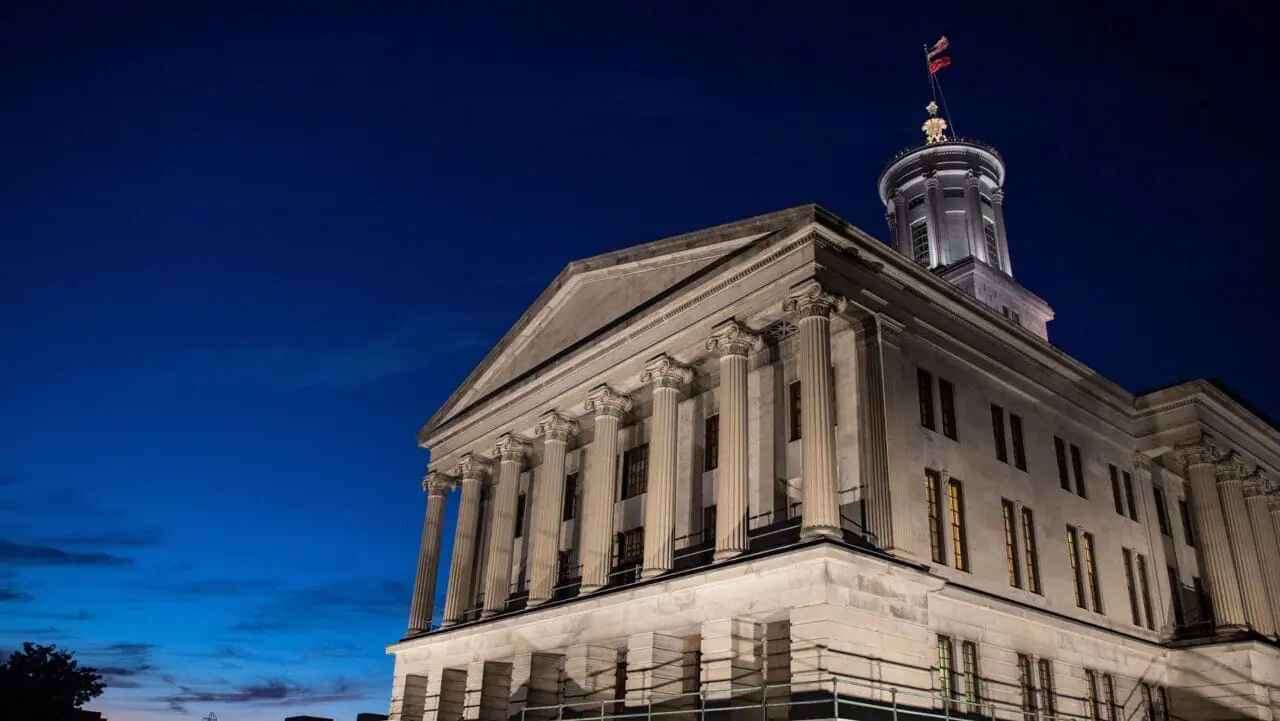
[[1027, 683], [1048, 701], [933, 492], [1011, 542], [1029, 545], [945, 669], [711, 443], [959, 539], [969, 669], [920, 243], [1091, 573], [1093, 704], [1109, 697], [1077, 579], [993, 247]]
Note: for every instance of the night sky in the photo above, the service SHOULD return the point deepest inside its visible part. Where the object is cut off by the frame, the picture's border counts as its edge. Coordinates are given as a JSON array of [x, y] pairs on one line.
[[246, 252]]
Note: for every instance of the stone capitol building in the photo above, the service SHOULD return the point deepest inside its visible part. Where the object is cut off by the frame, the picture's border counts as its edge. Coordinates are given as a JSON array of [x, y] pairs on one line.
[[778, 469]]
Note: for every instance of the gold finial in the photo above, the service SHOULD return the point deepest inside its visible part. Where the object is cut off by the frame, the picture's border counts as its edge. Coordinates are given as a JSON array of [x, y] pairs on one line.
[[934, 126]]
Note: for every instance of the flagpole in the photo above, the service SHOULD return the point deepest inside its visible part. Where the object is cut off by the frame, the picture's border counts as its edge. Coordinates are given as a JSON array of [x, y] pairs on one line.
[[935, 85]]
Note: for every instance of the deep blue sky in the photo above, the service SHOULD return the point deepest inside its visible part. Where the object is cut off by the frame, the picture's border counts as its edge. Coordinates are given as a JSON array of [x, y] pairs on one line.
[[248, 251]]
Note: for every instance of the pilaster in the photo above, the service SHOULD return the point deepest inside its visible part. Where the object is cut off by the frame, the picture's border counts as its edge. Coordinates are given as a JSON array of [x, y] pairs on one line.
[[997, 209], [973, 206]]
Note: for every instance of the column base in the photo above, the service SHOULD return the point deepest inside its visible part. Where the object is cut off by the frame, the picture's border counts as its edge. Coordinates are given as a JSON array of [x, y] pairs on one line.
[[446, 623], [653, 572], [725, 554], [487, 614], [585, 589], [412, 631], [820, 532], [535, 602]]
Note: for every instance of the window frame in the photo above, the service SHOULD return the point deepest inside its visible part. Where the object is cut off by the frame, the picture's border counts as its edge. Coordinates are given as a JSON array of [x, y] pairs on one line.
[[959, 533], [1049, 701], [1027, 685], [1091, 571], [1129, 495], [795, 421], [569, 506], [1077, 467], [918, 233], [946, 668], [1031, 551], [947, 404], [1144, 587], [1012, 557], [1077, 575], [1116, 494], [1162, 510], [997, 432], [933, 501], [635, 471], [1019, 442], [1131, 582], [521, 507], [1064, 474], [924, 393]]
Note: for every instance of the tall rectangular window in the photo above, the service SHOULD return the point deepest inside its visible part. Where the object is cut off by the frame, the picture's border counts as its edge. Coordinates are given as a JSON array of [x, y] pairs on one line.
[[1109, 697], [946, 671], [947, 398], [924, 388], [993, 248], [1048, 700], [969, 671], [1185, 513], [1127, 555], [1161, 703], [1078, 467], [631, 546], [1011, 542], [1162, 511], [520, 505], [1175, 593], [933, 494], [1145, 588], [1073, 551], [635, 471], [1029, 546], [1060, 451], [997, 430], [709, 524], [1093, 703], [1091, 573], [793, 408], [1019, 443], [570, 497], [1128, 495], [1148, 705], [1115, 487], [1027, 683], [711, 443], [920, 243], [1204, 604], [959, 536]]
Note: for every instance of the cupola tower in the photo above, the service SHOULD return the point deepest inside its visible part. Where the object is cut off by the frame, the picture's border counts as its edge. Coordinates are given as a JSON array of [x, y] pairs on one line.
[[945, 208]]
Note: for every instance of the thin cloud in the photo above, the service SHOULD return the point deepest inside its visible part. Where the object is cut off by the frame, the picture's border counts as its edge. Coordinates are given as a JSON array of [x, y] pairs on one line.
[[9, 594], [108, 539], [269, 692], [302, 608], [21, 554]]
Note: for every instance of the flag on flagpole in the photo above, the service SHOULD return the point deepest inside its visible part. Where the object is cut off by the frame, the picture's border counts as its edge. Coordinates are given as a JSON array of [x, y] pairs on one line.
[[939, 47], [940, 63]]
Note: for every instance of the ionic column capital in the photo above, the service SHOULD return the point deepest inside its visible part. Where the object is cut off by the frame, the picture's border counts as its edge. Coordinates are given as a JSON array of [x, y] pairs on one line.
[[1251, 488], [556, 427], [1141, 464], [511, 448], [605, 401], [898, 198], [1200, 450], [811, 299], [931, 180], [1229, 469], [664, 372], [734, 338], [437, 483], [472, 467], [1259, 475]]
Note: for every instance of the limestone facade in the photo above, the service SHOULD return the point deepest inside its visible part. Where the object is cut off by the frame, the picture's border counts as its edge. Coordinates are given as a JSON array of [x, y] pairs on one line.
[[778, 459]]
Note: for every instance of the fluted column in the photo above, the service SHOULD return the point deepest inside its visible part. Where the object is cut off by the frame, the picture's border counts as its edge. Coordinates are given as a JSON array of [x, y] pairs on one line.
[[933, 216], [599, 492], [667, 377], [1264, 534], [812, 305], [973, 209], [511, 451], [1273, 507], [471, 472], [901, 229], [1244, 549], [1211, 534], [997, 210], [735, 343], [548, 504], [437, 485]]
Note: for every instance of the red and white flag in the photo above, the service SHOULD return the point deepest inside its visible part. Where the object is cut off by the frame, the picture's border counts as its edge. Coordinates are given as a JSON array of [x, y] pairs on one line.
[[939, 47], [940, 63]]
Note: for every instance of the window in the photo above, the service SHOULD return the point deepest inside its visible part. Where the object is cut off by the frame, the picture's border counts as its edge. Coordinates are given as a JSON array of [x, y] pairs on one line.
[[1029, 545], [635, 471], [793, 408], [1109, 696], [631, 546], [564, 566], [915, 202], [1091, 573], [1011, 314], [1019, 445], [947, 395], [1148, 705], [1185, 513], [959, 539], [969, 669], [1060, 450], [1175, 593], [1073, 550], [1048, 701], [1078, 467], [711, 443], [520, 501], [920, 251], [933, 494], [1204, 604], [945, 669], [1127, 555], [570, 497], [1162, 511], [924, 385], [952, 193], [1093, 704], [1115, 487], [993, 247], [1128, 495], [709, 524], [1145, 589], [1011, 542], [997, 430], [1027, 682], [1161, 704]]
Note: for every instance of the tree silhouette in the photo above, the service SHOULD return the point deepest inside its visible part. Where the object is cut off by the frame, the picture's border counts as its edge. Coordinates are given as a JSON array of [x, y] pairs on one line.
[[43, 683]]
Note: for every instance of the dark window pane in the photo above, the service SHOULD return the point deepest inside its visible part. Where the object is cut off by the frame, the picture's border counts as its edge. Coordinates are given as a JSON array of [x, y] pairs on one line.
[[520, 501], [570, 497], [1128, 495], [1162, 511], [997, 431], [1060, 450], [711, 444], [1077, 465], [793, 405], [924, 387], [947, 396], [1019, 444]]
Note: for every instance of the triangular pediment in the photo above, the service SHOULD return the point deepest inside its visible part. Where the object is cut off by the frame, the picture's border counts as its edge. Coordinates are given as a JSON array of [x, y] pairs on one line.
[[593, 294]]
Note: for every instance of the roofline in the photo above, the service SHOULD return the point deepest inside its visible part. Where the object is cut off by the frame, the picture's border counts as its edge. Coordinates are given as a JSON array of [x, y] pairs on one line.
[[1229, 398]]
